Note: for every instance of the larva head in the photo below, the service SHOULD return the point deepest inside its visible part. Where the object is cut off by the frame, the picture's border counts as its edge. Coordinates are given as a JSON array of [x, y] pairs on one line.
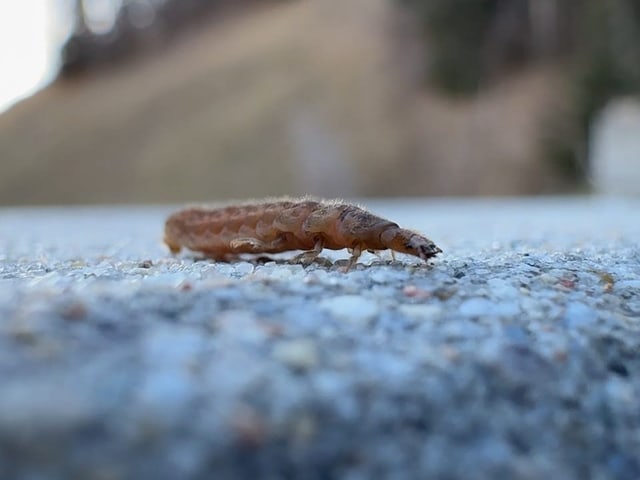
[[412, 243]]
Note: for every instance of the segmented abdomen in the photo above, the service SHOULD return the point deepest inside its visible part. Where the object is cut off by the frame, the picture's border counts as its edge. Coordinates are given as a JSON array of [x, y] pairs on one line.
[[212, 230]]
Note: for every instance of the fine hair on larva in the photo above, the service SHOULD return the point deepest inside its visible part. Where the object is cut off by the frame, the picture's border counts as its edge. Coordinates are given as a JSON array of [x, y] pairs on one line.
[[277, 225]]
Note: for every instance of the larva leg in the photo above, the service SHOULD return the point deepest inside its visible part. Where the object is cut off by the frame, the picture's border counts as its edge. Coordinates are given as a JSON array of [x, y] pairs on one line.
[[253, 245], [355, 254], [306, 258], [247, 244]]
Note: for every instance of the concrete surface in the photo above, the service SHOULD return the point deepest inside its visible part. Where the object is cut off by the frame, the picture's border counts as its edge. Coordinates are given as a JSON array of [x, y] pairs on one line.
[[514, 355]]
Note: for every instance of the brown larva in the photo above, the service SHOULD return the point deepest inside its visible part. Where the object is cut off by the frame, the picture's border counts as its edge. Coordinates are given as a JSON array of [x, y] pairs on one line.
[[280, 225]]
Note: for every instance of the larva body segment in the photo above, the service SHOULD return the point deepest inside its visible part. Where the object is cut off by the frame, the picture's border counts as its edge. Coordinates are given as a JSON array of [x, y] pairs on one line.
[[286, 224]]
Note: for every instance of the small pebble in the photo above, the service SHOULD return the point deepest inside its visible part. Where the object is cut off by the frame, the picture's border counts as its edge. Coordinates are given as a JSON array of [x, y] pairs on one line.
[[145, 264], [578, 315], [424, 312], [475, 307], [300, 354], [351, 308]]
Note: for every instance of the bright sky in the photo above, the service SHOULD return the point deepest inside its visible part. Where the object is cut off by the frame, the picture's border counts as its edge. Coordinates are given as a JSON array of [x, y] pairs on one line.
[[28, 30]]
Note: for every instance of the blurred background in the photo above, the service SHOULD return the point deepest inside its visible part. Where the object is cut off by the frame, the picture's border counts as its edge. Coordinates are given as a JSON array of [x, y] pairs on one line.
[[111, 101]]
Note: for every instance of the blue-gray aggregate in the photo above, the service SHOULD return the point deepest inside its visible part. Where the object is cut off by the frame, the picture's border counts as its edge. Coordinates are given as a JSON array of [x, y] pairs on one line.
[[515, 354]]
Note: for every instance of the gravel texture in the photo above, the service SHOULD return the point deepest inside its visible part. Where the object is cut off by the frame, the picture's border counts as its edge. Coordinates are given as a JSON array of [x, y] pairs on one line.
[[515, 354]]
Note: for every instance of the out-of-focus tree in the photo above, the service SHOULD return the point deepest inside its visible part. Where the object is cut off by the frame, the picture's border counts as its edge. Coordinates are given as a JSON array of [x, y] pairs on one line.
[[604, 63], [607, 54], [108, 31], [469, 44]]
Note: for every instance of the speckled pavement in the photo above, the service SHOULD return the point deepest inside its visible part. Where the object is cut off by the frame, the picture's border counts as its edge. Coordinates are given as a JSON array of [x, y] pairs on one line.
[[515, 354]]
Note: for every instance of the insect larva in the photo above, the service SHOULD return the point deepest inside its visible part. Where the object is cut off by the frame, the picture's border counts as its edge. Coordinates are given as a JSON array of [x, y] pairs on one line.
[[280, 225]]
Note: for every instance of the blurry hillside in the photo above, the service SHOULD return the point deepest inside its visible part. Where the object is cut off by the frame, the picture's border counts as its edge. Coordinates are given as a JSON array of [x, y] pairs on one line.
[[296, 97]]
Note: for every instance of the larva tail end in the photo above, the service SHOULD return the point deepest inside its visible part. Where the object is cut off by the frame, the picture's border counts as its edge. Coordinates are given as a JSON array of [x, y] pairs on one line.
[[173, 248], [173, 228]]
